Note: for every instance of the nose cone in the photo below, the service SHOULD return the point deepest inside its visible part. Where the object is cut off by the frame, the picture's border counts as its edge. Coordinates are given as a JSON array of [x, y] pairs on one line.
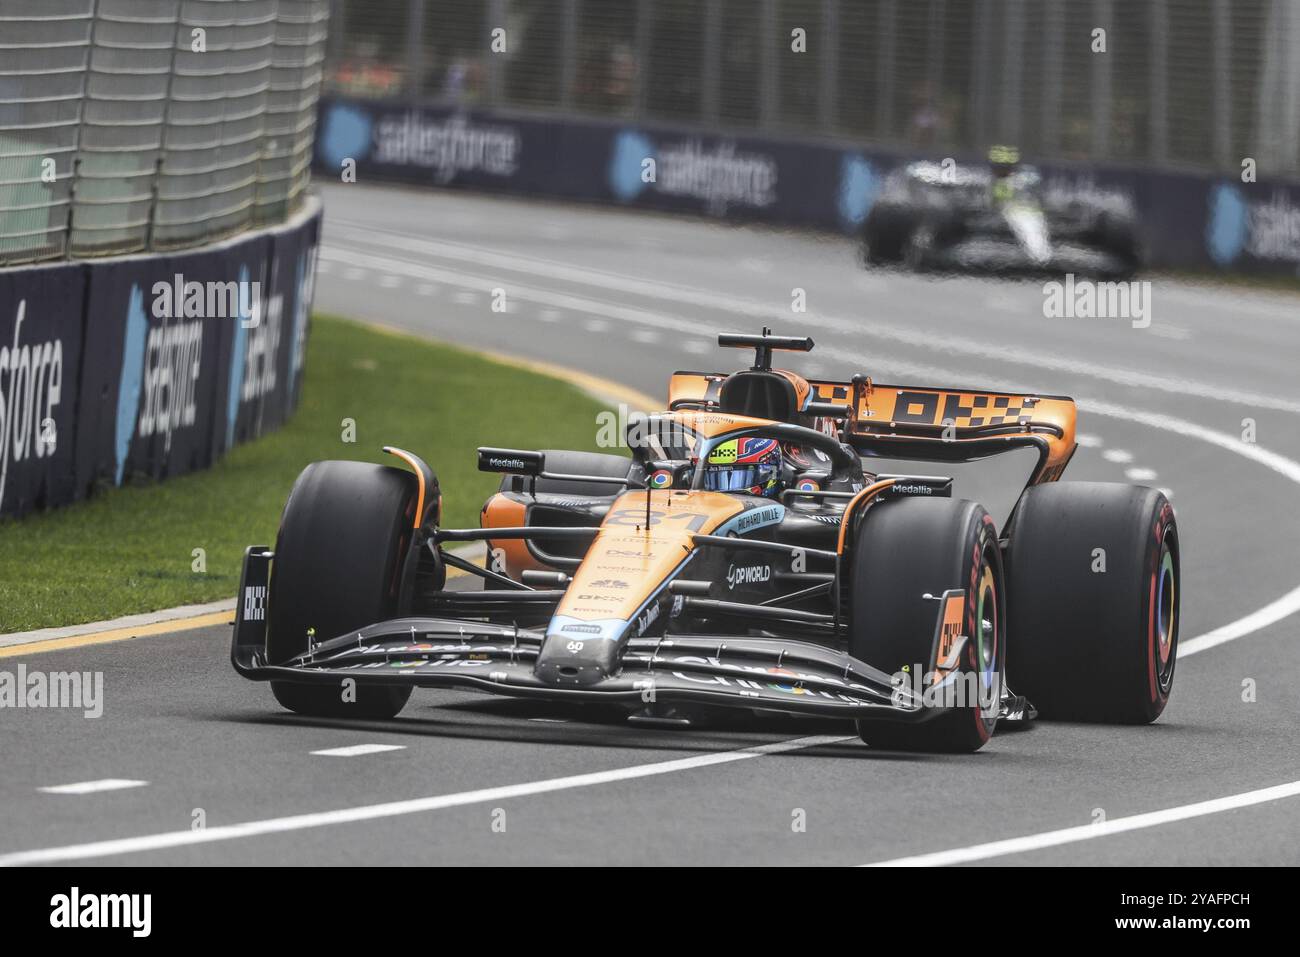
[[580, 653], [620, 590]]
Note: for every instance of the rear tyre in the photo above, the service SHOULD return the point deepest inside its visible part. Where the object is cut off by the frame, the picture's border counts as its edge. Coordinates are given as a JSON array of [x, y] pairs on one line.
[[337, 563], [884, 240], [1092, 574], [904, 550]]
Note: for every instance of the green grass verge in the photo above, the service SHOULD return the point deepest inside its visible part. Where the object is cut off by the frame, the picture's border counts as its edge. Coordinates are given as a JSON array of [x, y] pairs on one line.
[[130, 549]]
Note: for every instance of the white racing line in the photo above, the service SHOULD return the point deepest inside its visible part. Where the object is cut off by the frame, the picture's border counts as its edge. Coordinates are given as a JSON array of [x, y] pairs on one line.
[[754, 309], [1261, 618], [1086, 832], [373, 812]]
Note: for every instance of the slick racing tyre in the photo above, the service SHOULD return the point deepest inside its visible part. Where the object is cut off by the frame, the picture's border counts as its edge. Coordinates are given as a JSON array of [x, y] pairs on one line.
[[336, 568], [1093, 587], [884, 240], [907, 549]]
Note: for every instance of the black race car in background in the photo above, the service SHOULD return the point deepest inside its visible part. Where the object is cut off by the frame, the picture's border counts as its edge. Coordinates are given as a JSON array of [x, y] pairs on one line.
[[997, 218]]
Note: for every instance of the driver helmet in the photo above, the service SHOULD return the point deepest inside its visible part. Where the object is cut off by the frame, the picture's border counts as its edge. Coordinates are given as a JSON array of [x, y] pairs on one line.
[[751, 464], [1005, 160]]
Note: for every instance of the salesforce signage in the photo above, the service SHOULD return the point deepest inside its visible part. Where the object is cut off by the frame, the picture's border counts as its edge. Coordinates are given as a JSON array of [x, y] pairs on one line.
[[716, 175], [1188, 220], [147, 365], [40, 352], [410, 142], [1254, 222]]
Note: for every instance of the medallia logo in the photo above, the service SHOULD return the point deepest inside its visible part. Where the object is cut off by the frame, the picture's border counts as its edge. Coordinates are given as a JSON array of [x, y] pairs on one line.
[[859, 185], [1228, 228], [345, 134], [627, 165], [132, 378]]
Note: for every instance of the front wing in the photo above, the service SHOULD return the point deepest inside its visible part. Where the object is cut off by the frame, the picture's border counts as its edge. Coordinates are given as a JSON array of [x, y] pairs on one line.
[[762, 673]]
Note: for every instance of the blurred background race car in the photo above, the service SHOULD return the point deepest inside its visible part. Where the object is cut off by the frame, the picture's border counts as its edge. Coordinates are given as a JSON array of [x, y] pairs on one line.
[[996, 217]]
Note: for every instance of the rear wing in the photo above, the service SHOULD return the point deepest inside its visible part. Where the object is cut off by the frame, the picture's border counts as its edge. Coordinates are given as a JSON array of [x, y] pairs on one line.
[[953, 425], [920, 422]]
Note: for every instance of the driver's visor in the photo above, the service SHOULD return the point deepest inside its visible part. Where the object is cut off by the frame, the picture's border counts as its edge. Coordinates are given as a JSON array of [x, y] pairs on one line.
[[730, 478]]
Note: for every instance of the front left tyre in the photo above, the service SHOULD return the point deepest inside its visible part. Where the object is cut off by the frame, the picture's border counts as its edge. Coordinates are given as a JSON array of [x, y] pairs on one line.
[[905, 551], [338, 561]]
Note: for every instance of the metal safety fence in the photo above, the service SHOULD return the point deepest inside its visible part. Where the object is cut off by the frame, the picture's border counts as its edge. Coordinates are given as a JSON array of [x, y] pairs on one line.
[[1194, 84], [138, 125]]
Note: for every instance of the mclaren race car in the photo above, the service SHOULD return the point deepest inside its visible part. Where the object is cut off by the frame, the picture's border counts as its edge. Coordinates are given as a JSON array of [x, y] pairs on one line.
[[740, 558], [997, 219]]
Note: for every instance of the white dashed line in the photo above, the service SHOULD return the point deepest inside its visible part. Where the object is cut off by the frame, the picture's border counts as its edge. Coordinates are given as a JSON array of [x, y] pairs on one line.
[[465, 297], [389, 281], [92, 787], [1117, 455], [646, 336], [356, 750], [374, 812], [696, 346], [426, 289], [1088, 441], [1138, 474], [550, 315], [595, 325], [354, 272], [1170, 332]]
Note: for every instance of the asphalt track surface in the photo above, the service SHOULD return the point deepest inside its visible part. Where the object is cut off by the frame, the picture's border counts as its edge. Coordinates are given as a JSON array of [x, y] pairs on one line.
[[632, 297]]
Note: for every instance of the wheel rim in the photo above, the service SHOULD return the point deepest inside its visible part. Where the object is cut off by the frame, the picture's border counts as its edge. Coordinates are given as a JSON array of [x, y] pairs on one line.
[[987, 628], [1166, 622]]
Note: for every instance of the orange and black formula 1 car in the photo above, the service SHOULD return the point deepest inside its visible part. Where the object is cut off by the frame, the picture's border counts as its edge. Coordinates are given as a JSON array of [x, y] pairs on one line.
[[740, 558]]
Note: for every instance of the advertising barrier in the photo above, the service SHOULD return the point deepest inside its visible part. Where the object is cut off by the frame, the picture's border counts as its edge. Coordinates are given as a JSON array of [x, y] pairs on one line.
[[1189, 221], [149, 366]]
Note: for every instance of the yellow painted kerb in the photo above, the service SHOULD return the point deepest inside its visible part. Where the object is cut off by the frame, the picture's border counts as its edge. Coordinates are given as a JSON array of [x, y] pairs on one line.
[[118, 634]]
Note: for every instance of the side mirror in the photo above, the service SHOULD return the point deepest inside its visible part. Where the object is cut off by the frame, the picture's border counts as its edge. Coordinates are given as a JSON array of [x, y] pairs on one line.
[[669, 473], [514, 461]]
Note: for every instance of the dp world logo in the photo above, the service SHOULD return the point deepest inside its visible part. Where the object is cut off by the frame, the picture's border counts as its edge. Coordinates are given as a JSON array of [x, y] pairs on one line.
[[858, 187], [345, 134], [627, 163], [1228, 227]]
